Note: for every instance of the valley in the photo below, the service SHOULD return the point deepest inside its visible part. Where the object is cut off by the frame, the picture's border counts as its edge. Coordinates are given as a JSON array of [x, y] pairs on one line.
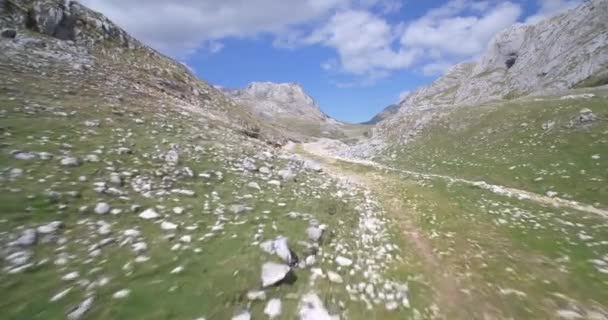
[[131, 189]]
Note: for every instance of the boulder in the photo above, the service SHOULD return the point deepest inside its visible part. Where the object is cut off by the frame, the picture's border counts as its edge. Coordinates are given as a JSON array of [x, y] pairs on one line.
[[273, 273]]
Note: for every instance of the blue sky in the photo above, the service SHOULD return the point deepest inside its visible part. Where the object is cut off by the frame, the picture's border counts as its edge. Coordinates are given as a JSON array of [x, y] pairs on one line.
[[354, 57]]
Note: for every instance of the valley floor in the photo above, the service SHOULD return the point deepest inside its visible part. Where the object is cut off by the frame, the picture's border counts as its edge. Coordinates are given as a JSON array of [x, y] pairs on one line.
[[486, 251]]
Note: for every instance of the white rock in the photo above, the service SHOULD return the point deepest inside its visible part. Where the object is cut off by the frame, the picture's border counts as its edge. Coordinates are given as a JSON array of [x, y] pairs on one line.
[[311, 308], [121, 294], [178, 269], [242, 316], [343, 261], [27, 238], [272, 273], [254, 185], [314, 233], [166, 225], [149, 214], [334, 277], [70, 162], [58, 296], [102, 208], [79, 311], [273, 308], [256, 295], [281, 248], [71, 276]]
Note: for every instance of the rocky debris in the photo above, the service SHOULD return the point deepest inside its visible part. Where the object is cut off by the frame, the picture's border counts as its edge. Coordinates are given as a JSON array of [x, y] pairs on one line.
[[80, 310], [286, 174], [168, 226], [280, 247], [314, 233], [60, 295], [102, 208], [50, 227], [149, 214], [244, 315], [172, 157], [20, 155], [311, 308], [256, 295], [273, 308], [273, 273], [585, 118], [121, 294], [343, 261], [70, 162], [334, 277], [27, 238]]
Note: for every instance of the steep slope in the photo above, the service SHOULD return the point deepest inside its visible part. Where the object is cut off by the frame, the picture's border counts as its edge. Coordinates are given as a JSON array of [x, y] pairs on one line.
[[86, 44], [566, 51], [386, 113], [129, 189], [288, 105]]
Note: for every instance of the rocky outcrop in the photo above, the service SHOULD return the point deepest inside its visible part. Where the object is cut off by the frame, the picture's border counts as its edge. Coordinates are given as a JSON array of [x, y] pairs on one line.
[[386, 113], [553, 55], [278, 100]]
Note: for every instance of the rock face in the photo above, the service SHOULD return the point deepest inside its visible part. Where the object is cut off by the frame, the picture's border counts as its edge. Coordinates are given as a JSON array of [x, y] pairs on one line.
[[560, 53], [287, 105], [278, 100]]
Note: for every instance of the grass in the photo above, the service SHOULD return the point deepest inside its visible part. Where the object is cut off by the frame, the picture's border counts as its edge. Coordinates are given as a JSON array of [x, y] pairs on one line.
[[506, 144], [492, 245]]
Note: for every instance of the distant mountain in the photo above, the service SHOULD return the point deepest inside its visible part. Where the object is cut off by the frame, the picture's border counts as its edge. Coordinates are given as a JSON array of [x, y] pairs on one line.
[[286, 104], [387, 112], [278, 100]]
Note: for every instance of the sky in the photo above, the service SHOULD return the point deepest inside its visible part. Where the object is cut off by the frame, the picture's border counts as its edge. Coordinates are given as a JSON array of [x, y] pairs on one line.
[[354, 57]]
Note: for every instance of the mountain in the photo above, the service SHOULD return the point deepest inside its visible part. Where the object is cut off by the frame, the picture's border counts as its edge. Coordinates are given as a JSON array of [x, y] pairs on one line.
[[386, 113], [567, 51], [286, 104], [278, 100]]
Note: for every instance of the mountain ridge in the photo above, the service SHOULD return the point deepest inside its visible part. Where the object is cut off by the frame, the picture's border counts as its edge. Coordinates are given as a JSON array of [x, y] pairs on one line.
[[550, 56]]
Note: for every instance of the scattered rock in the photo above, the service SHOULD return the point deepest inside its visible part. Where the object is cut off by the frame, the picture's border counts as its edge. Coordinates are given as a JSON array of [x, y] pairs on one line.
[[334, 277], [273, 308], [311, 308], [149, 214], [343, 262], [121, 294], [79, 311], [70, 162], [273, 273], [27, 238], [102, 208]]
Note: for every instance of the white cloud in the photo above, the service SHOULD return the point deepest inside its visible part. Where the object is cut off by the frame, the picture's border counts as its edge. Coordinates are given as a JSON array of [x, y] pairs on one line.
[[181, 27], [549, 8], [364, 43], [447, 32]]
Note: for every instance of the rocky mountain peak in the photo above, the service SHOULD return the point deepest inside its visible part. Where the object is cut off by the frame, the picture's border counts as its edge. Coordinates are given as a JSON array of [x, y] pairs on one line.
[[278, 100]]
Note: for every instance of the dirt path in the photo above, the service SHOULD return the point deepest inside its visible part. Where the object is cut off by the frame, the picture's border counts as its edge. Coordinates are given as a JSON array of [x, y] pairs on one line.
[[497, 189], [452, 302]]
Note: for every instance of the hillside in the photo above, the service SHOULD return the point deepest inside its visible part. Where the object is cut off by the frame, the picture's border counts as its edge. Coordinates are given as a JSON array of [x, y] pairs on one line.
[[564, 52]]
